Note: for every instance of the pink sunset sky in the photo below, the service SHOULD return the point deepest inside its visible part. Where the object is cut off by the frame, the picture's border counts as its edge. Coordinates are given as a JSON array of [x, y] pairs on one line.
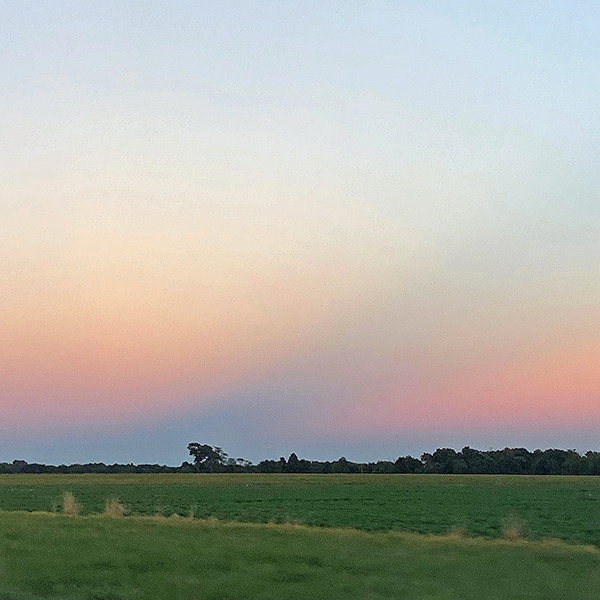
[[367, 229]]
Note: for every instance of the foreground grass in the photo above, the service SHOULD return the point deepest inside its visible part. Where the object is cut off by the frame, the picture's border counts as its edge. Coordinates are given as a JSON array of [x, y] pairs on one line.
[[560, 507], [99, 558]]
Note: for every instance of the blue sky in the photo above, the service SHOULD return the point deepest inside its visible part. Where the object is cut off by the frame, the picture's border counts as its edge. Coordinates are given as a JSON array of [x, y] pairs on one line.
[[326, 226]]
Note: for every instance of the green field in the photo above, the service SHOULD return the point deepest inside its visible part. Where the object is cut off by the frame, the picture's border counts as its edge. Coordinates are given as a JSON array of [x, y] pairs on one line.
[[551, 507], [254, 537], [103, 558]]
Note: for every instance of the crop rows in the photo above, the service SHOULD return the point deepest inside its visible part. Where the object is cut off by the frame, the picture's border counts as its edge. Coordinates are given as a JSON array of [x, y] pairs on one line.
[[562, 507]]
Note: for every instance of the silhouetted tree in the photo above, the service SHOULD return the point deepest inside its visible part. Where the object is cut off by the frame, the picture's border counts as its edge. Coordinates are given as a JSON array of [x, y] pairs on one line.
[[207, 458]]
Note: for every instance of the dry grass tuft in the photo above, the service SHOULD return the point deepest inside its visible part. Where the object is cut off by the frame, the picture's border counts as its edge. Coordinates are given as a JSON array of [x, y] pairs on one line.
[[113, 508], [457, 532], [514, 528], [70, 506]]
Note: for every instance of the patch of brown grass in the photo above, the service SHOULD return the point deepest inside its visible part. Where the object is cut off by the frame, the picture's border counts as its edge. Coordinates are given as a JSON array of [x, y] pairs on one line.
[[70, 506], [514, 528], [457, 532], [113, 508]]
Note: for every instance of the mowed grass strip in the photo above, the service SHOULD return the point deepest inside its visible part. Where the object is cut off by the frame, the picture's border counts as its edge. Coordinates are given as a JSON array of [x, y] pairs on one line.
[[549, 506], [103, 558]]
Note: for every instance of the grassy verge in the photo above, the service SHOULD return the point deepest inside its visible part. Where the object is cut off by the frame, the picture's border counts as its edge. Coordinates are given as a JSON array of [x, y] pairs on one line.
[[102, 558]]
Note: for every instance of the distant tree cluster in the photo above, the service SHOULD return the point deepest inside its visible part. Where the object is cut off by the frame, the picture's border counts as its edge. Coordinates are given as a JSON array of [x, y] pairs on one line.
[[21, 466], [510, 461], [212, 459]]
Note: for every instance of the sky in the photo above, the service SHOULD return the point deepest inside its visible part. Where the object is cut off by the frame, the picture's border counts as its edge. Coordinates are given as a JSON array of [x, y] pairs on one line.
[[333, 228]]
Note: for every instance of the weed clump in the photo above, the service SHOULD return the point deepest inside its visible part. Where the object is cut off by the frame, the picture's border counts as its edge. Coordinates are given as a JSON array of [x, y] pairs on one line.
[[457, 532], [113, 508], [514, 528], [70, 506]]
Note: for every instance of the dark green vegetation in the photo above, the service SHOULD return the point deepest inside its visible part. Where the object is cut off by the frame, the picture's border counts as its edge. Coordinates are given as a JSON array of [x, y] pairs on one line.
[[551, 507], [209, 459], [99, 558], [509, 461]]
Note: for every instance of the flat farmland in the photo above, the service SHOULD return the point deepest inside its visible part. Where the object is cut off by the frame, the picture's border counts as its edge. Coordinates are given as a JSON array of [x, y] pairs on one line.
[[479, 505]]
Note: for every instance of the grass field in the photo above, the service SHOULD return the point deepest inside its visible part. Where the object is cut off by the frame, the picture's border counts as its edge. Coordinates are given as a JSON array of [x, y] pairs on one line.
[[99, 558], [551, 507]]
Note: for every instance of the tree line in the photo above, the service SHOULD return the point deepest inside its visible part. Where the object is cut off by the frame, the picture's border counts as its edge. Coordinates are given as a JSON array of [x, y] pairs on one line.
[[509, 461], [212, 459]]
